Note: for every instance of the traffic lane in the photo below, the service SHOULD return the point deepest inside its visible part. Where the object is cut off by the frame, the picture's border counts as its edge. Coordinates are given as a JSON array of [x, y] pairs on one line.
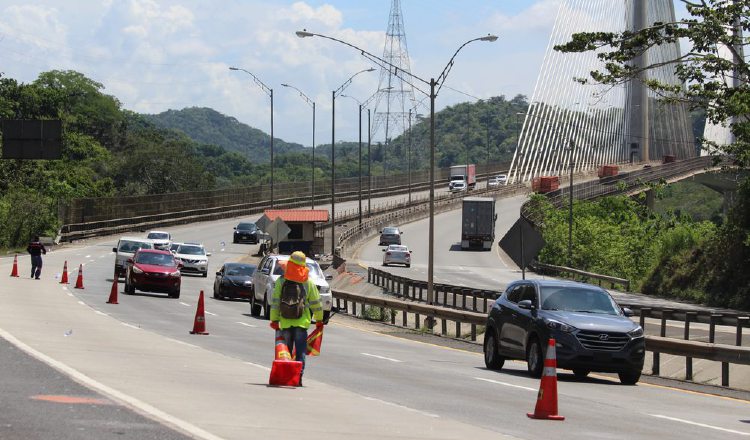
[[237, 335], [451, 383], [40, 402]]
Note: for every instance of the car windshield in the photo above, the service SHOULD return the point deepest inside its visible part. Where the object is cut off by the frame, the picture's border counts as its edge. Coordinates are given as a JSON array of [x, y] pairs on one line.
[[158, 236], [244, 270], [390, 230], [398, 248], [155, 259], [577, 299], [246, 227], [132, 246], [191, 250], [174, 247]]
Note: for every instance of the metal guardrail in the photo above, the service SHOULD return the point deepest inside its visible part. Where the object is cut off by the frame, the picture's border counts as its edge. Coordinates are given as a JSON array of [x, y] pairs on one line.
[[347, 302], [613, 281]]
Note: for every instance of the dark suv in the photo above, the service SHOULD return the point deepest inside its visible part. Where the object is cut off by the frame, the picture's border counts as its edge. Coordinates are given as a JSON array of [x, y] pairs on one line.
[[591, 332], [246, 232], [390, 235]]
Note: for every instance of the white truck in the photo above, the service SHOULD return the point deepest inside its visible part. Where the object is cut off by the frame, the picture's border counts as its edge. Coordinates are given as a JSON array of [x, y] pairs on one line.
[[463, 177]]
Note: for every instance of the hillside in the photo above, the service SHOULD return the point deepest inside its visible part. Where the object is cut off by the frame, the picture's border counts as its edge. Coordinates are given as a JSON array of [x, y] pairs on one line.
[[207, 126]]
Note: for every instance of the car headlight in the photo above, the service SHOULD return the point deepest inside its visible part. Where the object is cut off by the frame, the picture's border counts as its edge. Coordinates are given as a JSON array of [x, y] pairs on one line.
[[636, 333], [175, 273], [557, 325], [137, 270]]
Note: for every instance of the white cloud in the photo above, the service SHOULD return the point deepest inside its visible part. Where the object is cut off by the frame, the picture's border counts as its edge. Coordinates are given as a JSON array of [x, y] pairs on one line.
[[301, 12], [34, 25], [540, 15]]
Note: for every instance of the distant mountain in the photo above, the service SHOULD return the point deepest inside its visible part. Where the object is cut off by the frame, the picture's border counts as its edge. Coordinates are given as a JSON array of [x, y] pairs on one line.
[[207, 126]]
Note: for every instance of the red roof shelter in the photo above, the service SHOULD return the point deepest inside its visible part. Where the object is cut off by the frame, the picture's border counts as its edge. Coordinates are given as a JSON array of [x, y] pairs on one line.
[[301, 223]]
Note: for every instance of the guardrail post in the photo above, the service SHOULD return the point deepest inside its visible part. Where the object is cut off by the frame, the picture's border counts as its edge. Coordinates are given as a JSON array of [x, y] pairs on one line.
[[464, 293], [416, 321], [458, 329], [404, 319], [742, 321], [454, 294], [369, 275], [421, 288], [443, 327], [716, 317], [393, 316], [689, 316], [473, 332], [645, 311], [474, 294]]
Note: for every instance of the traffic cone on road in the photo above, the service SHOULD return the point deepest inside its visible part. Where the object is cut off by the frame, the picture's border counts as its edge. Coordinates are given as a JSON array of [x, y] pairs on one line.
[[199, 326], [64, 279], [284, 371], [113, 293], [14, 271], [79, 280], [546, 402], [282, 351]]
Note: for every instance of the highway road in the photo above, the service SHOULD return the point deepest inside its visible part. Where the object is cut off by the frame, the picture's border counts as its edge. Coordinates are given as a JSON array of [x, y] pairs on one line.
[[366, 383]]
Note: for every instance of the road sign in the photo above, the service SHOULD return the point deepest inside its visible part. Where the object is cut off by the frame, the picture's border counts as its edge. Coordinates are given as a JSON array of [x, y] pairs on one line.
[[263, 222], [278, 230], [522, 234]]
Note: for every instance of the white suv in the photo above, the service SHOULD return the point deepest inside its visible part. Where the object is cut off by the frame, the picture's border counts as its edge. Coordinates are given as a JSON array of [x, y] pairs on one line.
[[193, 257], [162, 240], [264, 280], [125, 249]]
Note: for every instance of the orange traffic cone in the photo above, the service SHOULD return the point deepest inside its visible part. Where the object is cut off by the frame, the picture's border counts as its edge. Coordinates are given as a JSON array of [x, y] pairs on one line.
[[113, 293], [14, 271], [546, 402], [284, 371], [199, 326], [79, 280], [64, 279]]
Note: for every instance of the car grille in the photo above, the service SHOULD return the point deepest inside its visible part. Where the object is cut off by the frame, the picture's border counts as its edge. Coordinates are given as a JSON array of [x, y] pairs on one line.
[[191, 261], [602, 341]]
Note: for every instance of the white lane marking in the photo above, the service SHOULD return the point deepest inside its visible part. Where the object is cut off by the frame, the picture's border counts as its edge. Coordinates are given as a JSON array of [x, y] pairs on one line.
[[372, 399], [101, 313], [130, 325], [702, 425], [185, 304], [64, 288], [87, 256], [70, 294], [209, 313], [81, 303], [183, 343], [246, 324], [263, 367], [506, 384], [117, 395], [381, 357]]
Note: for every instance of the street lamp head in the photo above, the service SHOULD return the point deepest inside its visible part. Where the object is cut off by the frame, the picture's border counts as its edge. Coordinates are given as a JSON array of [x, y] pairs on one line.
[[285, 85], [233, 68], [489, 38], [371, 69], [303, 33]]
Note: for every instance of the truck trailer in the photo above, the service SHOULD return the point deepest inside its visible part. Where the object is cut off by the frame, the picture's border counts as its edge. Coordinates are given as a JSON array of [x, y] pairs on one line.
[[478, 222], [463, 173]]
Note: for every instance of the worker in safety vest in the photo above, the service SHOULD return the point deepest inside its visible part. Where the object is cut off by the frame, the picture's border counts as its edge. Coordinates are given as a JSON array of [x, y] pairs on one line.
[[295, 299]]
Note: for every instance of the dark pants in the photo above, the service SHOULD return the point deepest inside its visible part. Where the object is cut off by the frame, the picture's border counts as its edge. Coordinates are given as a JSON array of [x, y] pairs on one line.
[[296, 337], [36, 266]]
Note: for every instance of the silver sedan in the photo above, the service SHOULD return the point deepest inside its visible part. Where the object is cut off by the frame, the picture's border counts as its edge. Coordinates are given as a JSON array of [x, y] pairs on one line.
[[397, 254]]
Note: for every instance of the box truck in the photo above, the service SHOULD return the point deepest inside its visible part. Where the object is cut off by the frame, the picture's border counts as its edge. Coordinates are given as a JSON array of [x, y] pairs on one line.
[[463, 173], [478, 222]]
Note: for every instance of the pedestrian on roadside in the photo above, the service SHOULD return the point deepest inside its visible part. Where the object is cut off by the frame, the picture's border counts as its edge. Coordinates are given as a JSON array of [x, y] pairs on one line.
[[295, 299], [36, 249]]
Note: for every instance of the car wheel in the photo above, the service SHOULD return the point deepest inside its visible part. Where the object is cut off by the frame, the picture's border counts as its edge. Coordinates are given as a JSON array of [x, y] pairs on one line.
[[492, 358], [234, 240], [175, 294], [254, 308], [217, 293], [408, 265], [629, 377], [129, 288], [266, 308], [581, 374], [205, 274], [385, 264], [535, 358]]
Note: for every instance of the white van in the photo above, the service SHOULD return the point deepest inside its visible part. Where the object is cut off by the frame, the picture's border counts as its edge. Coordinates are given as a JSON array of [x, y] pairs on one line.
[[126, 247]]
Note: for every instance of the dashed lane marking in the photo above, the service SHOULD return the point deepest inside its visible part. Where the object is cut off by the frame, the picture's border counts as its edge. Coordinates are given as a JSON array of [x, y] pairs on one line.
[[505, 384], [185, 304], [81, 303], [87, 256], [209, 313], [246, 324], [263, 367], [372, 399], [130, 325], [702, 425], [381, 357], [182, 343], [99, 312]]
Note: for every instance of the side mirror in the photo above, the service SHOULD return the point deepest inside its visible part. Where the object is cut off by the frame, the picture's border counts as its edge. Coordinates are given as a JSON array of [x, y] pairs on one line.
[[208, 254], [114, 249], [218, 273], [130, 261], [235, 228], [627, 312], [380, 232], [179, 265], [329, 277], [526, 304], [383, 250], [411, 251], [401, 232]]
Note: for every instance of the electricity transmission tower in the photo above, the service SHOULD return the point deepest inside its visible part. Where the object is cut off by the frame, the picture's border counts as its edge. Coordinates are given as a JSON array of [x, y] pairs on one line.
[[394, 96]]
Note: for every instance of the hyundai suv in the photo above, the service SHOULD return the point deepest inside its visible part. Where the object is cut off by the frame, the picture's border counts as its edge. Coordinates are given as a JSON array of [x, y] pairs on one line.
[[264, 279], [591, 332]]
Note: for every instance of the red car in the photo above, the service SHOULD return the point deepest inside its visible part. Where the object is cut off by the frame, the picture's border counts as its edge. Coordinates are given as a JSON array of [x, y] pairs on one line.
[[152, 270]]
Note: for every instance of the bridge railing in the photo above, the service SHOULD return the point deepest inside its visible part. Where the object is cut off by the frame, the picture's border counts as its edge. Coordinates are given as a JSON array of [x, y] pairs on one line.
[[412, 313]]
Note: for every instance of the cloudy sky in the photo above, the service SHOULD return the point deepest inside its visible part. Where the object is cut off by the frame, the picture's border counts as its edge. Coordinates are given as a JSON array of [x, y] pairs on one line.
[[170, 54]]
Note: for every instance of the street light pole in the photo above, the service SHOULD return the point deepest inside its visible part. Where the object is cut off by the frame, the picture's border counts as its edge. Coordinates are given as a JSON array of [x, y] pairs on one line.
[[334, 94], [269, 92], [408, 161], [433, 83], [311, 103], [570, 210], [369, 165]]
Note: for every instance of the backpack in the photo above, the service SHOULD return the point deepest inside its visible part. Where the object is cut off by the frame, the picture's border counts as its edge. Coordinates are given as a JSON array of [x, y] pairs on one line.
[[293, 296]]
